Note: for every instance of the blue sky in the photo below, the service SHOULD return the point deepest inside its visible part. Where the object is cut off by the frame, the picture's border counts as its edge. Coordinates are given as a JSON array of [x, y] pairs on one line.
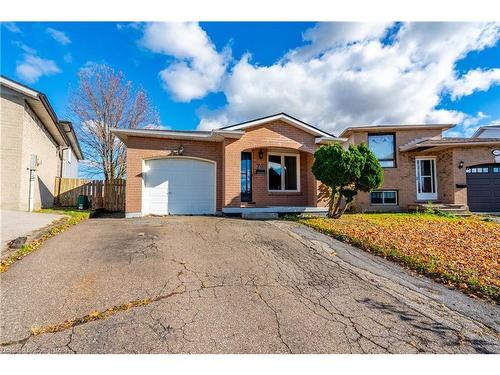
[[333, 75]]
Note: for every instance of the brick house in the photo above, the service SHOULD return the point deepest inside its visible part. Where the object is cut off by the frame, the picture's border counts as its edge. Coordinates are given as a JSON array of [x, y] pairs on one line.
[[35, 148], [264, 166]]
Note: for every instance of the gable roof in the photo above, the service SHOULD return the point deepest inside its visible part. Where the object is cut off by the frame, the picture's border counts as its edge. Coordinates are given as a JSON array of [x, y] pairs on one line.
[[392, 127], [285, 118], [61, 131]]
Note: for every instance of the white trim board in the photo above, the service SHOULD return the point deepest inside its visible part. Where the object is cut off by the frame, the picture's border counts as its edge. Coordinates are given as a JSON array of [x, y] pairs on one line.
[[283, 117], [271, 209]]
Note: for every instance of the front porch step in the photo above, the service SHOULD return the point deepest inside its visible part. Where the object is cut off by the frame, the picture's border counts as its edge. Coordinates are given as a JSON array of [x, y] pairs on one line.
[[259, 215]]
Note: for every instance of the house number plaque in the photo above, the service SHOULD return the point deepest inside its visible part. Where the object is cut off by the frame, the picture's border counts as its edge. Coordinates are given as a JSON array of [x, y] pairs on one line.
[[260, 169]]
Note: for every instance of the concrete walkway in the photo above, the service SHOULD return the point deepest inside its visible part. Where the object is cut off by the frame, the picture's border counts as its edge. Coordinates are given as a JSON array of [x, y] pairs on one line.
[[18, 223]]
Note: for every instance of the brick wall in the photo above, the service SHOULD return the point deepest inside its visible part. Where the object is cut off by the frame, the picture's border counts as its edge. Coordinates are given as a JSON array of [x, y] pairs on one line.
[[470, 156], [11, 121], [402, 178], [279, 136], [141, 148], [23, 134]]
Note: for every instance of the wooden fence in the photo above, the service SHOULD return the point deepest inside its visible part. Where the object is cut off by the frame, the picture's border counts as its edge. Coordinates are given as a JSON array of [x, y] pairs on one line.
[[109, 195]]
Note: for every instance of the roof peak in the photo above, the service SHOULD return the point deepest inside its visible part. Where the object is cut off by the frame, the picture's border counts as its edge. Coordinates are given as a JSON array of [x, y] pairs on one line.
[[280, 116]]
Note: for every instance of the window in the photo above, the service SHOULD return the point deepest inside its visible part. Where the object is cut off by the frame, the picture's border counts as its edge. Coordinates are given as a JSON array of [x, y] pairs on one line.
[[384, 148], [389, 197], [283, 172], [478, 170], [496, 169]]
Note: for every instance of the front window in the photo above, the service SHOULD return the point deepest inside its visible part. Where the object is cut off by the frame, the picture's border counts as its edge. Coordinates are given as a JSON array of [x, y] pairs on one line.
[[387, 197], [384, 147], [283, 172]]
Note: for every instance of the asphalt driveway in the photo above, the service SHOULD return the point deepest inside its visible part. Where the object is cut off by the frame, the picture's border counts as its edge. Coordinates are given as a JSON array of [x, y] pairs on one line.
[[222, 285]]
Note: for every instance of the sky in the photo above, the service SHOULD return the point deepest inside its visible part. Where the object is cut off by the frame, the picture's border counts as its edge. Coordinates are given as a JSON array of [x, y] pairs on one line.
[[331, 75]]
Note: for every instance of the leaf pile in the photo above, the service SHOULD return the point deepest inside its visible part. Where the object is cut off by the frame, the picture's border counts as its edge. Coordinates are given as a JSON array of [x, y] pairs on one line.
[[460, 252]]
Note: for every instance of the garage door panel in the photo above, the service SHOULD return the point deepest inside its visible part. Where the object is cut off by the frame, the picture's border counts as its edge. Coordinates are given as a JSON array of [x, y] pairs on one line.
[[483, 189], [189, 189]]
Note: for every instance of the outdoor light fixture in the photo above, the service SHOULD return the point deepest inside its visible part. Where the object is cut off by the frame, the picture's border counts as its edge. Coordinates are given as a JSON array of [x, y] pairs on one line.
[[261, 154], [461, 164], [180, 150]]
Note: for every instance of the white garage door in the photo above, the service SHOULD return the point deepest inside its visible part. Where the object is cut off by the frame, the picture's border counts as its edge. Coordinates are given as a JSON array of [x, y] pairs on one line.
[[179, 186]]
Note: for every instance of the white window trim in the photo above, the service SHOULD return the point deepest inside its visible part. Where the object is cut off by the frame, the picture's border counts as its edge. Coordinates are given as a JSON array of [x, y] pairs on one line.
[[282, 156], [384, 204]]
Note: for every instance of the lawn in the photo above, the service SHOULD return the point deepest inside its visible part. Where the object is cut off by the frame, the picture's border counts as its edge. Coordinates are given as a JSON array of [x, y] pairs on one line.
[[73, 217], [460, 252]]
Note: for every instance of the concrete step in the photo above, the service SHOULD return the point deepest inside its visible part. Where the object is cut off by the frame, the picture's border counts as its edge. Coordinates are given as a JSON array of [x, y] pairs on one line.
[[259, 215]]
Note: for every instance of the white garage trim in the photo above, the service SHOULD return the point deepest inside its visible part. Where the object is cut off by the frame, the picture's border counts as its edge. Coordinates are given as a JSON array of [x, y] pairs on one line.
[[145, 203]]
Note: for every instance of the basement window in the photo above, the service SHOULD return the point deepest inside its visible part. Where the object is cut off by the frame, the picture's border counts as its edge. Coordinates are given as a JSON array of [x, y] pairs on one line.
[[384, 197]]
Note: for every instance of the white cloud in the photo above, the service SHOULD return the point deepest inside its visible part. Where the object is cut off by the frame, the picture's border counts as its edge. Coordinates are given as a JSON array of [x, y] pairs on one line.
[[68, 58], [467, 125], [474, 80], [12, 27], [59, 36], [128, 25], [327, 35], [157, 127], [198, 68], [347, 76], [24, 47], [34, 67]]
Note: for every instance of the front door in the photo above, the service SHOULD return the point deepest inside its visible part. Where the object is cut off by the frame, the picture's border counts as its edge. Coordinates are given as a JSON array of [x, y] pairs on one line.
[[246, 176], [426, 179]]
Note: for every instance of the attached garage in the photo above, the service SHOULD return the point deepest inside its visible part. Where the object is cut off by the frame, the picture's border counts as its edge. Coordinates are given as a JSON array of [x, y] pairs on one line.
[[483, 188], [179, 186]]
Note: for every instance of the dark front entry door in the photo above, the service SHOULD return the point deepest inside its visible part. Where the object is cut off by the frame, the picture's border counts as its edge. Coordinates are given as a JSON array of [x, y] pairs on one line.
[[246, 176], [483, 188]]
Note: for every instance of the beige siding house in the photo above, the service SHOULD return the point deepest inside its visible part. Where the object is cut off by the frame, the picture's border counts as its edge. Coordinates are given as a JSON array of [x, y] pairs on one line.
[[31, 136]]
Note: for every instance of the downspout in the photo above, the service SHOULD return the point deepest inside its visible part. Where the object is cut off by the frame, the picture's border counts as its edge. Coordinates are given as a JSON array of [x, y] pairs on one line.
[[61, 161]]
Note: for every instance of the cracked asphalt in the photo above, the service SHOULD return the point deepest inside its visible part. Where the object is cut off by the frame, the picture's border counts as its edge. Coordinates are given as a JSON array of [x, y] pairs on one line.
[[224, 285]]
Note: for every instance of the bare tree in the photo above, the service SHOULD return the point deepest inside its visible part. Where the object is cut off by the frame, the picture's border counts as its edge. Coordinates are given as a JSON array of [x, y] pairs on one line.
[[104, 100]]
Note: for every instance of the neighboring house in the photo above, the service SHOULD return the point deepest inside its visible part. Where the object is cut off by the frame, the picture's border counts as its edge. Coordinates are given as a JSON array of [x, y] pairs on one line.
[[264, 165], [491, 131], [420, 166], [32, 138]]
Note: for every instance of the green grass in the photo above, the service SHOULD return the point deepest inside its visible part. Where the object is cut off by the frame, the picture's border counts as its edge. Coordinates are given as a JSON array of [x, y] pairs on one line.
[[73, 217]]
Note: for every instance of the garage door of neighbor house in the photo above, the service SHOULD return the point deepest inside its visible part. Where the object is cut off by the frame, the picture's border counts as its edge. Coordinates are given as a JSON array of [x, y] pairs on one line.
[[179, 186], [483, 187]]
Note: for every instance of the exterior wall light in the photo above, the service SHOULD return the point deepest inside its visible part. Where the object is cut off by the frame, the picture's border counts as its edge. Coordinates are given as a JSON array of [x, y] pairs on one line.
[[461, 164], [261, 154]]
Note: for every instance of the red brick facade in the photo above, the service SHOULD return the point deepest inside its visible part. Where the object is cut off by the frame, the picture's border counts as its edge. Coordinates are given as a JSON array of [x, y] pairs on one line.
[[276, 136], [281, 137], [141, 148]]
